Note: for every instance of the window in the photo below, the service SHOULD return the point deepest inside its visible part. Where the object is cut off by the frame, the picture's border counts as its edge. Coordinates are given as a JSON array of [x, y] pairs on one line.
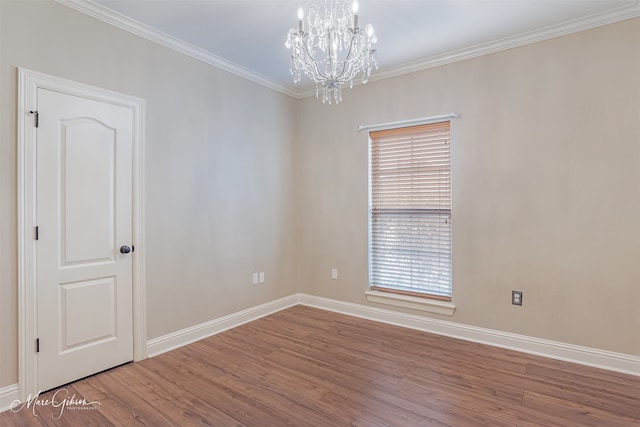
[[410, 211]]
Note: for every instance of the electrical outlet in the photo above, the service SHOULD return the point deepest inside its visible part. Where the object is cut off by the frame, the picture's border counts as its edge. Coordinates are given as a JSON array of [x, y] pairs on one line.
[[334, 274], [516, 297], [255, 278], [262, 277]]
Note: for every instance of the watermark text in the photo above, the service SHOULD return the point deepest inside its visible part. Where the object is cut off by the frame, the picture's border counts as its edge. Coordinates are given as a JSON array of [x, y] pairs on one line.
[[60, 400]]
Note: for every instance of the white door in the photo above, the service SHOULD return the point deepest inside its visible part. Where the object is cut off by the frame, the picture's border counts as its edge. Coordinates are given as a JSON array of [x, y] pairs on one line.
[[84, 218]]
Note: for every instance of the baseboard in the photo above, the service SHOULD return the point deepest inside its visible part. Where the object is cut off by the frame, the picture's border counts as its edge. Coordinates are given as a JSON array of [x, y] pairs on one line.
[[612, 361], [603, 359], [8, 395], [192, 334]]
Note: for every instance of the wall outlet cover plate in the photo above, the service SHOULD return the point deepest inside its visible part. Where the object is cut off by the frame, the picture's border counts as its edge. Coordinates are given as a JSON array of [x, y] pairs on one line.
[[516, 297]]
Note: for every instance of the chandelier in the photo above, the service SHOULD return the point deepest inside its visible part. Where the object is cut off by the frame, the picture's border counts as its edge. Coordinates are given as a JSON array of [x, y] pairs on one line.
[[332, 49]]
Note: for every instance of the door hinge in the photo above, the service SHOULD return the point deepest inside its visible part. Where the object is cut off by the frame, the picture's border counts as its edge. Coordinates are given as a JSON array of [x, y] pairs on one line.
[[37, 117], [37, 345], [37, 232]]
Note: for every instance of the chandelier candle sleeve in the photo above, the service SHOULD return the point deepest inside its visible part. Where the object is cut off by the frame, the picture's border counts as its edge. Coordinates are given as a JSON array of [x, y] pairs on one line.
[[355, 8], [333, 50], [300, 19]]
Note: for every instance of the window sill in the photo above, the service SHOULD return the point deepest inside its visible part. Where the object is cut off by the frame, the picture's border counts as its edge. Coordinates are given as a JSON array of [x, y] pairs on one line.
[[414, 303]]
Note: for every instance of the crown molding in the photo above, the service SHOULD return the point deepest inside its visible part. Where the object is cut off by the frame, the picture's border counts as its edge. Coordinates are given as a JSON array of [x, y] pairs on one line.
[[597, 20], [95, 10], [553, 31], [88, 7]]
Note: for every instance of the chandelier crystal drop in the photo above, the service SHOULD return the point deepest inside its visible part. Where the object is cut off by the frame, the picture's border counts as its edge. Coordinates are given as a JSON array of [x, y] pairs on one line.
[[330, 48]]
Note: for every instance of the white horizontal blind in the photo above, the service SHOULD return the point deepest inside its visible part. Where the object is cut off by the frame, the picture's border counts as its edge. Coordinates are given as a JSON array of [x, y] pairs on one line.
[[410, 210]]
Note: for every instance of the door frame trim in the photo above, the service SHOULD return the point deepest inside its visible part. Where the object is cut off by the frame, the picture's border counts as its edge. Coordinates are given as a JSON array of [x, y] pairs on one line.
[[28, 83]]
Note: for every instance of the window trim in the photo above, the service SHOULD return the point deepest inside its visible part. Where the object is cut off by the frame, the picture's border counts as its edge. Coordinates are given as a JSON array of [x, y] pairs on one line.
[[410, 293], [410, 122], [411, 302], [417, 300]]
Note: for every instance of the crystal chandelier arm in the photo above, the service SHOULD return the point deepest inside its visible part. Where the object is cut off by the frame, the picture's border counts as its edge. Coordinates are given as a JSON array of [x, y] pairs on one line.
[[348, 73], [347, 60], [308, 60]]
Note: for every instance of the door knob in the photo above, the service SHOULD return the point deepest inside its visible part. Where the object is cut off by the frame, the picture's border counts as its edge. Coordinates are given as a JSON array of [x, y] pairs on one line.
[[124, 249]]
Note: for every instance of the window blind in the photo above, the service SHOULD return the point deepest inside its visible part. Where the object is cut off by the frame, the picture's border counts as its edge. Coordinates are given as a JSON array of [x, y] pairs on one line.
[[410, 210]]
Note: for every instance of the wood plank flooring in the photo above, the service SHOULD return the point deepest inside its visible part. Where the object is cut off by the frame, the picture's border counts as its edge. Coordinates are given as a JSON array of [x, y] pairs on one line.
[[309, 367]]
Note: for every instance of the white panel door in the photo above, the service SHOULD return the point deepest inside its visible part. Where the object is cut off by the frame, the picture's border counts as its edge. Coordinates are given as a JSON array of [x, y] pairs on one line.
[[84, 217]]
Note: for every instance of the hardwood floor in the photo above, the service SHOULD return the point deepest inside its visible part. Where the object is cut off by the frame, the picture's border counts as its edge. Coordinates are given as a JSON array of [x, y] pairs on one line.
[[308, 367]]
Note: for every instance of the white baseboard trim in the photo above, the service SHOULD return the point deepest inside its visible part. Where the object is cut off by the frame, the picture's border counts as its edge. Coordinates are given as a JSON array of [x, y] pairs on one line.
[[8, 395], [195, 333], [603, 359], [612, 361]]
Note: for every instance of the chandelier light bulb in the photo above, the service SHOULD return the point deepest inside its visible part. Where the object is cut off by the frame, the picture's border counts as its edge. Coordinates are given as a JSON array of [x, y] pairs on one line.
[[334, 50], [355, 7], [300, 20]]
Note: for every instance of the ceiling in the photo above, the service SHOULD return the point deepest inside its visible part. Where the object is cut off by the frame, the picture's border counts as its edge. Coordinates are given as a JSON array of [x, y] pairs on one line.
[[247, 36]]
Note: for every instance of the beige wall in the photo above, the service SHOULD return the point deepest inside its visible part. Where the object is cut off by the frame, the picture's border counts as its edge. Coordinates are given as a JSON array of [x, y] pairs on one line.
[[219, 168], [546, 170], [546, 186]]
